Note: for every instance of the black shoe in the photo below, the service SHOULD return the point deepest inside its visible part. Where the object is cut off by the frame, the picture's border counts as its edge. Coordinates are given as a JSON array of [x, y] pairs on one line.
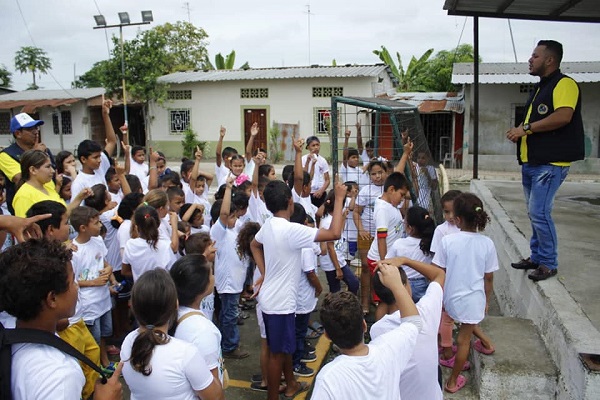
[[541, 273], [236, 354], [309, 348], [525, 264], [304, 371], [308, 358]]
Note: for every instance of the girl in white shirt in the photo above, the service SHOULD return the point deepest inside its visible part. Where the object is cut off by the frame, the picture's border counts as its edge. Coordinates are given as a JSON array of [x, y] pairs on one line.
[[156, 364], [419, 227], [469, 259]]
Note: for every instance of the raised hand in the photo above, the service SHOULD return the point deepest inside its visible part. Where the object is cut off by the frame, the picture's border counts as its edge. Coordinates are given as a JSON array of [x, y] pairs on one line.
[[222, 131], [254, 129]]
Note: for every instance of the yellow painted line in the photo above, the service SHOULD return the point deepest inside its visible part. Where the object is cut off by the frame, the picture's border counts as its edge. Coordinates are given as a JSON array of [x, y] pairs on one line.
[[239, 384]]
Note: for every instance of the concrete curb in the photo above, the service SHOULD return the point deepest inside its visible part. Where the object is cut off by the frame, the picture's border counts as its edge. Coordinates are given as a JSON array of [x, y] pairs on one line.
[[565, 329]]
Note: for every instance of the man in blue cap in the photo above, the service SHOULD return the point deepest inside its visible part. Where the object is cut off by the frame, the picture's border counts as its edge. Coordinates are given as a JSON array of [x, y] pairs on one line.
[[26, 132]]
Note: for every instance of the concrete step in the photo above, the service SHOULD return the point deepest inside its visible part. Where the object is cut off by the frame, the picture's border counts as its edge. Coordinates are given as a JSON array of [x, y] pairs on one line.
[[520, 368]]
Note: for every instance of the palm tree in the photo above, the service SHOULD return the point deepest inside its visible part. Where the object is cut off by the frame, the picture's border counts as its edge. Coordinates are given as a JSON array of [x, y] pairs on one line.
[[409, 80], [33, 59]]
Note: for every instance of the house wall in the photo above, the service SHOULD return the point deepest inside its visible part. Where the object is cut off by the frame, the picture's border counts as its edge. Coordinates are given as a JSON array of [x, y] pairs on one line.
[[219, 103], [496, 115], [79, 120]]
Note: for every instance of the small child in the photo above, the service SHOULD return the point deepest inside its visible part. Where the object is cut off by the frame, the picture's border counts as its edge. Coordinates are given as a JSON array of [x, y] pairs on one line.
[[350, 169], [267, 171], [427, 179], [201, 243], [114, 185], [65, 189], [159, 200], [300, 183], [419, 226], [376, 368], [147, 251], [176, 198], [201, 197], [469, 259], [194, 281], [138, 166], [194, 215], [195, 175], [223, 158], [93, 274], [350, 233], [320, 180]]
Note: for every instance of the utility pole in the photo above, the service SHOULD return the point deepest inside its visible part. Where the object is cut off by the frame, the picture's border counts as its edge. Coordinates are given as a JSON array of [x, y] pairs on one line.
[[186, 6], [308, 13]]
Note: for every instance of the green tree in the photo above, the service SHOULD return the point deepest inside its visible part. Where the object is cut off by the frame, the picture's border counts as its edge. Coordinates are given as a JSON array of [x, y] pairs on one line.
[[437, 76], [226, 62], [409, 80], [5, 75], [32, 59]]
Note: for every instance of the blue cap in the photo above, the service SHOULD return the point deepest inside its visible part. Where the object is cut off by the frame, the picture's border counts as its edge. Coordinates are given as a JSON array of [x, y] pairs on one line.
[[23, 120]]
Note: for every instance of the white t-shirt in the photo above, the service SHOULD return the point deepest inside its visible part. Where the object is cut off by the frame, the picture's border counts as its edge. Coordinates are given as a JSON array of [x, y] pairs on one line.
[[258, 209], [339, 245], [207, 206], [139, 170], [366, 199], [142, 257], [355, 174], [321, 168], [365, 157], [389, 219], [466, 256], [207, 306], [87, 262], [84, 180], [230, 269], [282, 244], [306, 293], [349, 232], [221, 174], [202, 333], [440, 231], [309, 207], [44, 372], [373, 376], [124, 234], [409, 247], [419, 379], [178, 370], [116, 197], [113, 257]]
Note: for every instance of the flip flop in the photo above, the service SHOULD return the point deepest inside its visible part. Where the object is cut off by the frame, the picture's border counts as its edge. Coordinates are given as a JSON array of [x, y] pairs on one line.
[[317, 327], [303, 387], [461, 381], [449, 363], [454, 349], [478, 346]]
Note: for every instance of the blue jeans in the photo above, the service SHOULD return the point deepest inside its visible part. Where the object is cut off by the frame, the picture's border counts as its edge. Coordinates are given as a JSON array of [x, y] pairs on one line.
[[301, 327], [540, 184], [349, 277], [228, 315], [418, 288]]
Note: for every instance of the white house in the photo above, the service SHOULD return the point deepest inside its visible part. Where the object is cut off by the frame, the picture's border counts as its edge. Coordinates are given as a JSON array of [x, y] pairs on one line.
[[503, 91], [297, 99]]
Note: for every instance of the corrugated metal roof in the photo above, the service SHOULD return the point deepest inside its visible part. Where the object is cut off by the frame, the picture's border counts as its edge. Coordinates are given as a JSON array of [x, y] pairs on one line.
[[462, 73], [350, 71], [429, 102], [54, 94]]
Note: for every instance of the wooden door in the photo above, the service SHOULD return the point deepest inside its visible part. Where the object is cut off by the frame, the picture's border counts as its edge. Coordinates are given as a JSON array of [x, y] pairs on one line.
[[386, 137], [259, 115]]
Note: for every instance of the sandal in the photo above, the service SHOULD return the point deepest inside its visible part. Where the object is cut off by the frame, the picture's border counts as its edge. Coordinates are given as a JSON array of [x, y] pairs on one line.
[[461, 381], [303, 387], [454, 349], [449, 363], [317, 327], [479, 347]]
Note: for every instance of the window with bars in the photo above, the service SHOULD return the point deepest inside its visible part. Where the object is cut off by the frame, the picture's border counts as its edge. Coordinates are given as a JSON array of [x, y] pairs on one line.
[[322, 119], [326, 91], [65, 124], [179, 120], [254, 93], [526, 88], [179, 94], [5, 123]]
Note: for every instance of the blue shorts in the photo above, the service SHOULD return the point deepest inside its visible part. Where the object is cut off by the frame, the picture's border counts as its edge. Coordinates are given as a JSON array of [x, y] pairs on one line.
[[101, 327], [281, 332], [352, 248]]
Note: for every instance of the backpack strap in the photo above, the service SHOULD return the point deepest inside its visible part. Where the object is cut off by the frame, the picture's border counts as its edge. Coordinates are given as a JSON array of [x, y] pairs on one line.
[[187, 315], [26, 335]]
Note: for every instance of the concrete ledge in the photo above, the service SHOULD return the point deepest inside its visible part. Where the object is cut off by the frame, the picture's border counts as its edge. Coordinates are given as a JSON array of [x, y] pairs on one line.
[[565, 329], [521, 366]]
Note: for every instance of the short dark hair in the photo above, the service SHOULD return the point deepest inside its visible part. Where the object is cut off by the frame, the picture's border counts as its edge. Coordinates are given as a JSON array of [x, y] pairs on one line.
[[172, 177], [370, 143], [134, 183], [191, 274], [98, 198], [175, 191], [383, 292], [197, 243], [299, 214], [263, 170], [110, 173], [397, 180], [277, 196], [353, 152], [450, 195], [186, 166], [287, 171], [127, 207], [215, 210], [86, 148], [554, 48], [82, 215], [228, 151], [342, 318], [136, 148], [239, 200], [28, 272], [48, 207], [184, 208]]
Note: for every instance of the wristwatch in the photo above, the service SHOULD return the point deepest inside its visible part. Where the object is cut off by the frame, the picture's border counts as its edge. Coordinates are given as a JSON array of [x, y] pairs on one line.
[[527, 129]]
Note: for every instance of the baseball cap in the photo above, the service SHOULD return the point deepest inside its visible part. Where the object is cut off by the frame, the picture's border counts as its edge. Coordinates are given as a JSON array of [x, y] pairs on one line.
[[23, 120]]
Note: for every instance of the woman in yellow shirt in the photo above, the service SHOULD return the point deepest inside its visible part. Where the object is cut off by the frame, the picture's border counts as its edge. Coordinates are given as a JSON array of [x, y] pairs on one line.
[[37, 171]]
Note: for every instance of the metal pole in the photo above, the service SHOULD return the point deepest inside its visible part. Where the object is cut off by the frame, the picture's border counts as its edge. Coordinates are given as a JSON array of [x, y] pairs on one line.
[[123, 78], [476, 98]]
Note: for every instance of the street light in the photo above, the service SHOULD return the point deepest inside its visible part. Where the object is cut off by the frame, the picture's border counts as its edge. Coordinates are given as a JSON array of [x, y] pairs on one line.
[[125, 21]]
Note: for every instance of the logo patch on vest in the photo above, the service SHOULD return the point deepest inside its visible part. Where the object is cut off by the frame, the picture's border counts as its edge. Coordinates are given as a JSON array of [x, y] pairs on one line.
[[542, 109]]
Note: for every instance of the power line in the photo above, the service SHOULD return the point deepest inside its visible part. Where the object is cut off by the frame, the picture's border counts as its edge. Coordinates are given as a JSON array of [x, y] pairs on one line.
[[105, 32]]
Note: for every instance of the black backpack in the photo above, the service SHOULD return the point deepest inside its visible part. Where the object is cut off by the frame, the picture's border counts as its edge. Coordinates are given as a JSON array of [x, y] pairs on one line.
[[8, 337]]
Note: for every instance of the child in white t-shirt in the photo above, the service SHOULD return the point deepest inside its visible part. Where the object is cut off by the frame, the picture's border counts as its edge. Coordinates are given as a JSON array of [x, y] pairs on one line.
[[194, 281], [94, 275], [190, 177], [159, 199], [320, 178], [147, 251], [277, 251], [351, 170], [256, 203], [156, 364], [302, 186], [138, 166], [416, 245], [350, 233], [376, 368], [469, 259]]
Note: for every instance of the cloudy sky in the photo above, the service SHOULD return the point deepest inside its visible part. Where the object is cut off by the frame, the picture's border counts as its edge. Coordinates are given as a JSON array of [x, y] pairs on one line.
[[274, 33]]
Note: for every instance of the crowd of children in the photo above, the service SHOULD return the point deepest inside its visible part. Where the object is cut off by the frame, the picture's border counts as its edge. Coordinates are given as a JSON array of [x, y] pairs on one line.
[[144, 238]]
